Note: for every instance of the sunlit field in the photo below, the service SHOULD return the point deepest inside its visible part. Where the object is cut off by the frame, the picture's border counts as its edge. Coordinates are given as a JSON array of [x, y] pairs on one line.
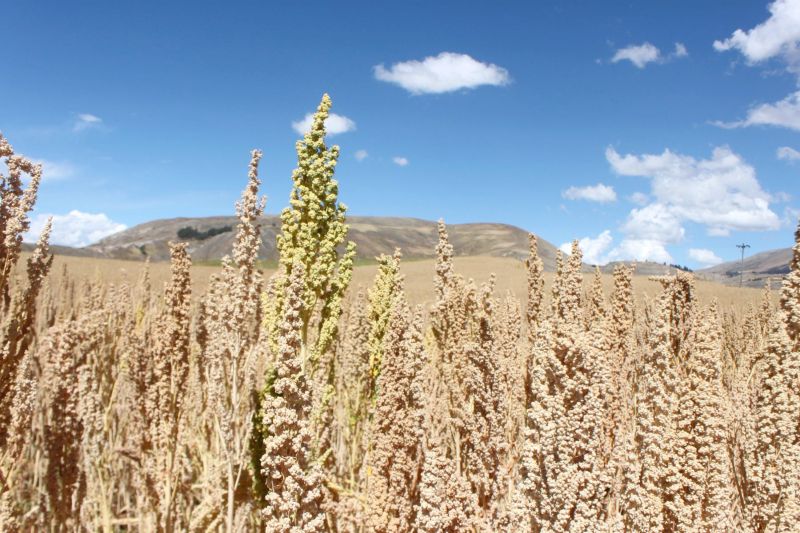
[[400, 267], [419, 278], [454, 394]]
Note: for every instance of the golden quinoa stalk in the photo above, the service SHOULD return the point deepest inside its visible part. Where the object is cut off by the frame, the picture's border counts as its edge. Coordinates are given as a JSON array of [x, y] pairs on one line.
[[707, 491], [535, 271], [790, 295], [230, 350], [294, 481], [772, 453], [15, 204], [564, 474], [469, 350], [381, 299], [353, 385], [313, 231], [359, 360], [651, 471], [162, 394], [18, 311], [395, 430], [61, 427]]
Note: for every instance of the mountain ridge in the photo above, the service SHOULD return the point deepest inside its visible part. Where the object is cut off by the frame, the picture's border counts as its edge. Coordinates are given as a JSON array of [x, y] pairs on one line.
[[755, 270], [375, 235]]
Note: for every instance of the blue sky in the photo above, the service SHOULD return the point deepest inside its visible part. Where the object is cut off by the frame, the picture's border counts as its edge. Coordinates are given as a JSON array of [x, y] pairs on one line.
[[619, 123]]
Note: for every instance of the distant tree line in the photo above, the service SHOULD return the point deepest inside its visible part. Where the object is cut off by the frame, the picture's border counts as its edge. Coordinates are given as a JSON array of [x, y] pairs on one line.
[[681, 267], [190, 233]]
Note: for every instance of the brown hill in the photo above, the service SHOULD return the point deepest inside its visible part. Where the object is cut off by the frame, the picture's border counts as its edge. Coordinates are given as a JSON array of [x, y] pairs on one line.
[[373, 236], [57, 249], [756, 269], [210, 238]]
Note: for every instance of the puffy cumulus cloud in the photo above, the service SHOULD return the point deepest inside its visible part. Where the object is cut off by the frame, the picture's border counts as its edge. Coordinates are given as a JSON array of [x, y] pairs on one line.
[[594, 249], [640, 250], [643, 54], [443, 73], [788, 154], [334, 124], [599, 251], [361, 155], [400, 161], [640, 55], [655, 222], [75, 228], [704, 257], [778, 35], [593, 193], [721, 193], [783, 114], [84, 121]]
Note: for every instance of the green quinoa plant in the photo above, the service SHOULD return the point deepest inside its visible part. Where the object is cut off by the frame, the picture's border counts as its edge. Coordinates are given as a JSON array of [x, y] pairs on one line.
[[313, 230]]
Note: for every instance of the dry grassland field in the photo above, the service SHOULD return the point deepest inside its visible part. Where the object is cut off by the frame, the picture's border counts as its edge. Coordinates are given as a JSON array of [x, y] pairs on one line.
[[419, 278], [469, 393], [290, 367]]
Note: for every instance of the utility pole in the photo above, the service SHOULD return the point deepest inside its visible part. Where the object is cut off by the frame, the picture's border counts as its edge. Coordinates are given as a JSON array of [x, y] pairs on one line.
[[741, 264]]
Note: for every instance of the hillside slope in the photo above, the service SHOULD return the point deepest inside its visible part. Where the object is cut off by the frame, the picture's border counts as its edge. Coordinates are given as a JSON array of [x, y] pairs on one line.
[[641, 268], [373, 236], [756, 269]]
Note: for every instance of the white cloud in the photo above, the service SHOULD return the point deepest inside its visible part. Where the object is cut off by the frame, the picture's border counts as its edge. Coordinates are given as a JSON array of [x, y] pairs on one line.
[[86, 121], [721, 193], [55, 170], [89, 118], [704, 257], [640, 250], [593, 193], [593, 248], [639, 198], [75, 228], [443, 73], [640, 55], [778, 35], [334, 124], [596, 250], [400, 161], [655, 222], [361, 155], [783, 113], [787, 153], [643, 54]]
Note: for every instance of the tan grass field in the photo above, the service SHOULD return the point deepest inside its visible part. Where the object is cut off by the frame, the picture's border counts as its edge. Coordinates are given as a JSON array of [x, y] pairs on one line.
[[419, 277], [168, 397]]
